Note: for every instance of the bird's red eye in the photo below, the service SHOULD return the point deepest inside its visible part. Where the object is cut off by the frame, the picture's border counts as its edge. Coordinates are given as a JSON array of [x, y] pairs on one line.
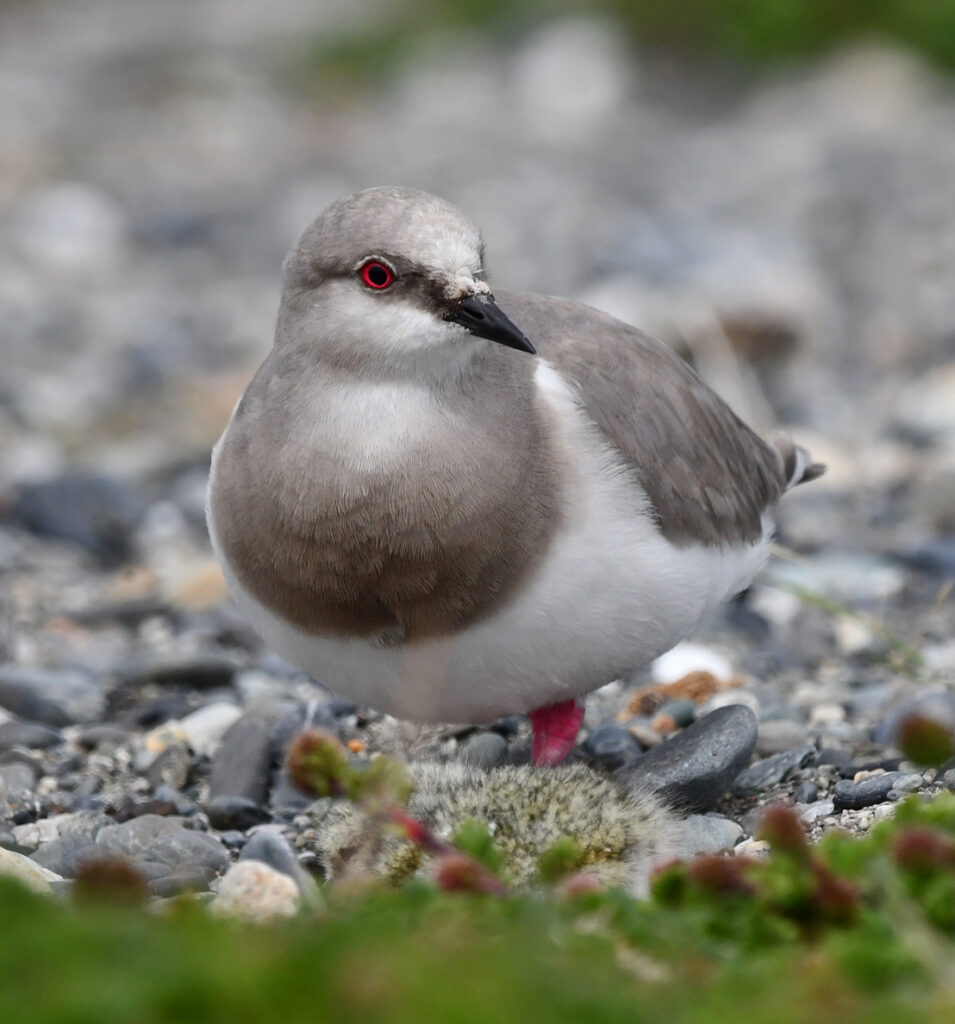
[[377, 275]]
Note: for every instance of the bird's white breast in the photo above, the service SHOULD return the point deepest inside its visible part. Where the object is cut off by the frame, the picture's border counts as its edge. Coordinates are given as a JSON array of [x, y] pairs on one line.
[[610, 594]]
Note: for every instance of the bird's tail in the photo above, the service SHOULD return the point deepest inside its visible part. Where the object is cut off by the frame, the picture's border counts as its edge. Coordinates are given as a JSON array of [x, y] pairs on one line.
[[797, 462]]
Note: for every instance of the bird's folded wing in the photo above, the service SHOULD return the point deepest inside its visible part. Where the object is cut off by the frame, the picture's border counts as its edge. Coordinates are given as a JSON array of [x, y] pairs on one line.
[[708, 476]]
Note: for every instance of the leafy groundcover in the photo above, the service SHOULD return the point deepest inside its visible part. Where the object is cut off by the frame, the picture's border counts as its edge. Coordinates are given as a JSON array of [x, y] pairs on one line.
[[849, 930]]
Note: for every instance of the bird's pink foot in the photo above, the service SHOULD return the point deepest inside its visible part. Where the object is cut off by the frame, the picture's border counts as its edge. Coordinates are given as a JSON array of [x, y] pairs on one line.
[[555, 730]]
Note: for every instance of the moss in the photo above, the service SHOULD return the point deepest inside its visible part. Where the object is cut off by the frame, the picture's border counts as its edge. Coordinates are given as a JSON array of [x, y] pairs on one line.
[[718, 935]]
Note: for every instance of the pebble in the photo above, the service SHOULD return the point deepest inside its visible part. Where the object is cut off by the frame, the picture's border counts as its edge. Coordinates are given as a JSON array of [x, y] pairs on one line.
[[32, 875], [269, 846], [253, 891], [872, 790], [171, 767], [707, 834], [770, 771], [154, 839], [816, 811], [805, 793], [484, 749], [207, 671], [51, 696], [611, 747], [66, 854], [776, 737], [103, 734], [190, 878], [235, 812], [31, 735], [242, 764], [205, 728], [697, 766], [909, 782]]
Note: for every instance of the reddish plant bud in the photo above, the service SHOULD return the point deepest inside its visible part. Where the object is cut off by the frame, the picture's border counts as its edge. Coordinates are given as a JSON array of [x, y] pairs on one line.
[[110, 880], [925, 741], [457, 872], [833, 899], [318, 763], [784, 832], [923, 850], [723, 876]]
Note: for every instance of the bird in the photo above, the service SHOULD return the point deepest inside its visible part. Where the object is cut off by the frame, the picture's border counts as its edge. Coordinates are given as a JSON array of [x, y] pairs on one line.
[[621, 831], [453, 505]]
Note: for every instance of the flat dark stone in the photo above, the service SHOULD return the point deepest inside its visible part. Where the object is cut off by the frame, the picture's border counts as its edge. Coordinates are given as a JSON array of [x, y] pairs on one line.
[[31, 735], [99, 513], [242, 764], [235, 812], [695, 768], [154, 839], [770, 771], [208, 671], [51, 696], [855, 795]]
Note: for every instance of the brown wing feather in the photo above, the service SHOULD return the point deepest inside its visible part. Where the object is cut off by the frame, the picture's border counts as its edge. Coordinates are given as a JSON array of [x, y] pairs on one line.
[[708, 476]]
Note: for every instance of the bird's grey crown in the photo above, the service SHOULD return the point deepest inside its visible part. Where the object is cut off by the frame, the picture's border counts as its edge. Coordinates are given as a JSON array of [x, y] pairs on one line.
[[403, 225]]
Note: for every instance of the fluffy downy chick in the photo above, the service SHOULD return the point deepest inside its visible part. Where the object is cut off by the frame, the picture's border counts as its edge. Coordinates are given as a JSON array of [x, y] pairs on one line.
[[621, 834]]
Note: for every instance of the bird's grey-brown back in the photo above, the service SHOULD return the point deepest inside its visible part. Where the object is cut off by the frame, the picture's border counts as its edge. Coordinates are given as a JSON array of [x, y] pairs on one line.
[[710, 479]]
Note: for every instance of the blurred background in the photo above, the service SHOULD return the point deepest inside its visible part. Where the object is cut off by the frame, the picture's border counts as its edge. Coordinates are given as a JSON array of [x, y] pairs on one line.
[[769, 185]]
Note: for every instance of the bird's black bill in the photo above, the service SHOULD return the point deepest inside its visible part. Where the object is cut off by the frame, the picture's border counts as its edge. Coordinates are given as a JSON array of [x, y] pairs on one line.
[[482, 316]]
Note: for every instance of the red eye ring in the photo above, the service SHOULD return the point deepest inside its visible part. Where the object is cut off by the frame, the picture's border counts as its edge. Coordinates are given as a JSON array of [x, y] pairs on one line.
[[377, 275]]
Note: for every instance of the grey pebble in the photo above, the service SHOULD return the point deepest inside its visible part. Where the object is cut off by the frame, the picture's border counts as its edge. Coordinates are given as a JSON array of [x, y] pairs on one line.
[[781, 735], [51, 696], [611, 747], [31, 735], [16, 778], [104, 734], [839, 759], [171, 767], [707, 833], [271, 848], [816, 811], [805, 793], [235, 812], [204, 671], [191, 878], [696, 767], [67, 854], [908, 782], [242, 764], [152, 838], [853, 796], [484, 749], [770, 771], [99, 513]]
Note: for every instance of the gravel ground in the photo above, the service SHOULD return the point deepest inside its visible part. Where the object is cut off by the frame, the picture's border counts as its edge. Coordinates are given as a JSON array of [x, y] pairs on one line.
[[796, 240]]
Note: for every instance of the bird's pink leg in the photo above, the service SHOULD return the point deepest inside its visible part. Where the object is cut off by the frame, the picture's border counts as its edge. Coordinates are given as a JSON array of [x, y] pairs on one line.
[[555, 731]]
